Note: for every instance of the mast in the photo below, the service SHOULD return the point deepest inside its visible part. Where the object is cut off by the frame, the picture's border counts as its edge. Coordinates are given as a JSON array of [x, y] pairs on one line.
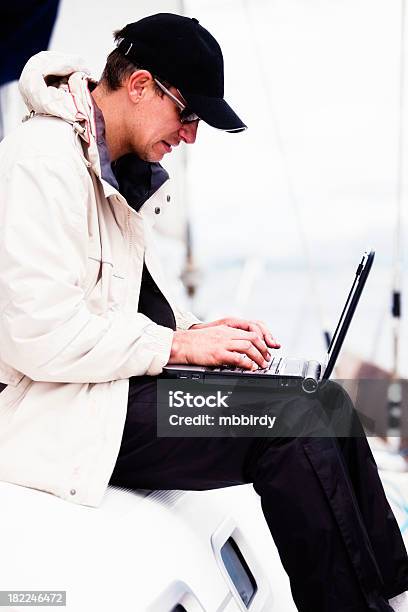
[[397, 263]]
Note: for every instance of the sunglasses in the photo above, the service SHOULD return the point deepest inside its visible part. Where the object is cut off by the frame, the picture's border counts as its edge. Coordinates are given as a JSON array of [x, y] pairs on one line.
[[186, 114]]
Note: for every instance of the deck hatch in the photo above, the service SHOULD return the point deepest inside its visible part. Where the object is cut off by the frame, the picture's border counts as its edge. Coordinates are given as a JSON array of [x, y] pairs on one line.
[[239, 571]]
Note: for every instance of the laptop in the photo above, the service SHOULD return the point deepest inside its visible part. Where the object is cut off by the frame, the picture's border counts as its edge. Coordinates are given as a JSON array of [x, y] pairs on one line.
[[288, 371]]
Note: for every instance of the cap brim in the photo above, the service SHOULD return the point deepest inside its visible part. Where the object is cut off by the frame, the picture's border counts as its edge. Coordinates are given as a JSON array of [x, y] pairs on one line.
[[214, 111]]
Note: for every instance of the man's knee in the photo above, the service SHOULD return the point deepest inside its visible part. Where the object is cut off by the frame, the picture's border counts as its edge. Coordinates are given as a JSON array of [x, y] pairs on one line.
[[332, 391], [339, 409]]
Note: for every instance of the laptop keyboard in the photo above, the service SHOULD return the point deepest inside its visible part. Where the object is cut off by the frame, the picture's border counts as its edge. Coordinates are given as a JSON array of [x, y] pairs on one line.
[[273, 366]]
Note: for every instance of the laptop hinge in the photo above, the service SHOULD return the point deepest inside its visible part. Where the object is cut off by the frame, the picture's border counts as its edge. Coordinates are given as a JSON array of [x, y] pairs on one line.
[[311, 376]]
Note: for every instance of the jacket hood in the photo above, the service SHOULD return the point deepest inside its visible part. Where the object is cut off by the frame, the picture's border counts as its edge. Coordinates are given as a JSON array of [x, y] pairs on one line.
[[56, 84], [46, 85]]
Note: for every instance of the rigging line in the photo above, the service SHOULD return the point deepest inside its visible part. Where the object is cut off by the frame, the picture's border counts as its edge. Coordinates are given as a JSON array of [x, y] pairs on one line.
[[396, 289], [290, 187]]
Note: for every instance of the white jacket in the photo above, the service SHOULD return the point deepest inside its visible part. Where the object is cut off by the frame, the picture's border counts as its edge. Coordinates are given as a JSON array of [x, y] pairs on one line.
[[71, 258]]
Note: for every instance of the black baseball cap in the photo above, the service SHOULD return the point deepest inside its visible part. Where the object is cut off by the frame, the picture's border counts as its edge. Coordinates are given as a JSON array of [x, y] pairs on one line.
[[183, 53]]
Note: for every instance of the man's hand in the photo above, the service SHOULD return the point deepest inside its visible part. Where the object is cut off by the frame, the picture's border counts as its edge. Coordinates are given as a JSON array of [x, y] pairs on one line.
[[228, 341], [258, 327]]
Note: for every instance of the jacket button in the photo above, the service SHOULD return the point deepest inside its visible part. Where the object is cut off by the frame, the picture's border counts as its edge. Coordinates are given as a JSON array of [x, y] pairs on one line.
[[157, 210], [168, 198], [72, 492]]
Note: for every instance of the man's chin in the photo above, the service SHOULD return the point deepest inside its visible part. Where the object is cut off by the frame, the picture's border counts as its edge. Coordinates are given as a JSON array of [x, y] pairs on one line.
[[151, 158]]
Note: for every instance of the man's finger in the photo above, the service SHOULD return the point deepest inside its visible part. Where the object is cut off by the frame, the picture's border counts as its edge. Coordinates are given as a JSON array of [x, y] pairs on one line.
[[251, 337], [269, 339], [263, 335], [251, 350], [257, 326], [242, 361], [235, 359]]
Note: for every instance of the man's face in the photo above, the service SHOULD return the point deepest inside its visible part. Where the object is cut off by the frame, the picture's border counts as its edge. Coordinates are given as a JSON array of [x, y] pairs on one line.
[[155, 127]]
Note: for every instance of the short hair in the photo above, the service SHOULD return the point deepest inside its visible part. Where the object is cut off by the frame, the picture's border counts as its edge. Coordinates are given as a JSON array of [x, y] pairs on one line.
[[118, 67]]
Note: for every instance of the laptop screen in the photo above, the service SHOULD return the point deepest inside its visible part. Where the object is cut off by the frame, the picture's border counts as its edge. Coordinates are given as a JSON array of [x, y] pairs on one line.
[[353, 298]]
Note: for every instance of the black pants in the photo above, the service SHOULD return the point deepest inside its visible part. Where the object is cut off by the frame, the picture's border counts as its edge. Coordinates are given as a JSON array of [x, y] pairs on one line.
[[321, 497]]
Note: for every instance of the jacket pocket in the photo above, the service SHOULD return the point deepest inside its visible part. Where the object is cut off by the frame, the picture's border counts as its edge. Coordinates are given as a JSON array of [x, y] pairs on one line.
[[105, 287], [93, 275]]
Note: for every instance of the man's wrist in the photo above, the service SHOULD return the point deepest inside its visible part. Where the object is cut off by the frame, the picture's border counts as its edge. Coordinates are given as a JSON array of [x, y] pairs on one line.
[[177, 353]]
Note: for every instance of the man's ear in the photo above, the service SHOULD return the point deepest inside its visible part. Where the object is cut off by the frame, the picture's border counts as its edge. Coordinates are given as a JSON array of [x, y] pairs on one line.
[[138, 84]]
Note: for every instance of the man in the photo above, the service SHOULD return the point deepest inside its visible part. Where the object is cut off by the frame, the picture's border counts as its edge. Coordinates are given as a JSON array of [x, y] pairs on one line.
[[87, 322]]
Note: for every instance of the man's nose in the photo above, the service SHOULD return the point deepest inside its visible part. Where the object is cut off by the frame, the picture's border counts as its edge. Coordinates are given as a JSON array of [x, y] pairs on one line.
[[188, 132]]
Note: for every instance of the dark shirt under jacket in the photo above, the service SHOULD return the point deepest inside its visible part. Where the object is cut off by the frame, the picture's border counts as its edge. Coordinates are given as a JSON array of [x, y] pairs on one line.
[[137, 181]]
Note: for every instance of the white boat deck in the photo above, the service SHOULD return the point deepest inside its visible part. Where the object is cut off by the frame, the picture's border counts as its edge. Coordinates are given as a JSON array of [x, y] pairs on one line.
[[138, 552]]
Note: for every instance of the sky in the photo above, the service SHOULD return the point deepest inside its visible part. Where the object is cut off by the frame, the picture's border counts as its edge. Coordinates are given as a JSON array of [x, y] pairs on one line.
[[318, 85]]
